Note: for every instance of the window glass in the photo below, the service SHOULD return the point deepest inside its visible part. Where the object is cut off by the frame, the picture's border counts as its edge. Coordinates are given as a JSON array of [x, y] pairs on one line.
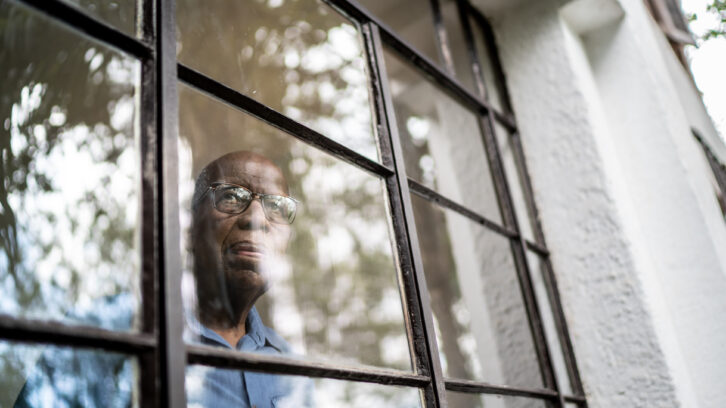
[[117, 13], [484, 53], [467, 400], [457, 44], [291, 391], [51, 376], [411, 20], [507, 153], [69, 230], [301, 58], [537, 267], [442, 144], [330, 275], [480, 320]]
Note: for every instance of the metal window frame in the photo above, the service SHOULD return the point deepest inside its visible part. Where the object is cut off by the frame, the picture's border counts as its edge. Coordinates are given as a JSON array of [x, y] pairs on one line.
[[159, 346], [718, 169]]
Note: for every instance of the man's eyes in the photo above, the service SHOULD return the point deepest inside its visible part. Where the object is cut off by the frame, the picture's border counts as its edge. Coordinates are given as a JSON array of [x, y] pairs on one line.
[[232, 195]]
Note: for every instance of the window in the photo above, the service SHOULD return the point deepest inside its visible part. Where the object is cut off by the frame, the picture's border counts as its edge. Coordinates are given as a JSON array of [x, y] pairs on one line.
[[390, 243], [719, 173]]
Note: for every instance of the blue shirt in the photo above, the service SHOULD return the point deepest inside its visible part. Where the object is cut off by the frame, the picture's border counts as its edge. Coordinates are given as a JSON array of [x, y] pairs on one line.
[[214, 387]]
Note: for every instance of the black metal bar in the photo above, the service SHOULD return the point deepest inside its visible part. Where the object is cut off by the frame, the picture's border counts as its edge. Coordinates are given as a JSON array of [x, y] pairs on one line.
[[540, 246], [225, 358], [47, 332], [146, 23], [172, 362], [148, 362], [493, 57], [478, 387], [402, 257], [547, 272], [575, 398], [462, 7], [431, 195], [519, 253], [407, 287], [442, 38], [414, 281], [521, 164], [78, 20], [278, 120], [563, 333], [535, 247]]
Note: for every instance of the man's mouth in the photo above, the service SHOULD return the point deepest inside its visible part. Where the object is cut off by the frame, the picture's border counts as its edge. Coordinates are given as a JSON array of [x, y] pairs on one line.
[[246, 249]]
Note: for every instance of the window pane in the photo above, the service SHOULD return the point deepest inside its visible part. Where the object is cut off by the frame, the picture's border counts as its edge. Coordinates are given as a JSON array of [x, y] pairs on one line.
[[536, 266], [203, 386], [412, 20], [117, 13], [467, 400], [301, 58], [69, 201], [481, 323], [507, 153], [442, 145], [333, 291], [457, 44], [51, 376], [484, 52]]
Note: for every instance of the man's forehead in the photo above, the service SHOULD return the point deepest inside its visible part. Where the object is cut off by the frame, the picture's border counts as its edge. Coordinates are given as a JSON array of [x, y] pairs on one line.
[[246, 167]]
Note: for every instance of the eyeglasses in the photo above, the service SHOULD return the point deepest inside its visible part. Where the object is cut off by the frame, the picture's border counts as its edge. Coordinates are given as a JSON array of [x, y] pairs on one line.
[[234, 199]]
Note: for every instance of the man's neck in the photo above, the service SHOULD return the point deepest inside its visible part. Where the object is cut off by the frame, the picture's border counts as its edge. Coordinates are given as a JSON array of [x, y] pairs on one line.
[[232, 333]]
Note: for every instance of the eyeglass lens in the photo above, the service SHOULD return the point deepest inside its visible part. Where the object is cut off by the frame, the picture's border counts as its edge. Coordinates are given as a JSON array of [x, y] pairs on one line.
[[234, 200]]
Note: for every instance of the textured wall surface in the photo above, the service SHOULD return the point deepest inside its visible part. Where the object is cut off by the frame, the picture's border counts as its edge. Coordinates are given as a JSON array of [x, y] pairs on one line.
[[636, 237]]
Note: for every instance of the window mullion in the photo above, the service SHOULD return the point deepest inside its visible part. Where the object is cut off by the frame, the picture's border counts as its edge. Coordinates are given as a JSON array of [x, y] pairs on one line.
[[518, 247], [418, 304], [172, 358]]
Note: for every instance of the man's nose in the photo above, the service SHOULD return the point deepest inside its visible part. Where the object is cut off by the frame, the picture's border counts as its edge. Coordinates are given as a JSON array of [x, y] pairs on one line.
[[253, 217]]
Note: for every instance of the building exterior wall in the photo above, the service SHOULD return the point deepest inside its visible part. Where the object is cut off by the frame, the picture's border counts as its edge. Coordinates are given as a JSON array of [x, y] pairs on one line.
[[605, 112]]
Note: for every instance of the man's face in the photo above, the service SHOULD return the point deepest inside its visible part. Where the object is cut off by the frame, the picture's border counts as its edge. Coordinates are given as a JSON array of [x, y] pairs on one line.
[[245, 246]]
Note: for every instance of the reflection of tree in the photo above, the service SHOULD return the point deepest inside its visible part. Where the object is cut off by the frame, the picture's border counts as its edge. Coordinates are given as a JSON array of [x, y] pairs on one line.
[[62, 96], [297, 56]]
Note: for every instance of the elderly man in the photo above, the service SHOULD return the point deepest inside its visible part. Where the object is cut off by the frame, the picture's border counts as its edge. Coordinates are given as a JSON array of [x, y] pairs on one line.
[[241, 214], [241, 211]]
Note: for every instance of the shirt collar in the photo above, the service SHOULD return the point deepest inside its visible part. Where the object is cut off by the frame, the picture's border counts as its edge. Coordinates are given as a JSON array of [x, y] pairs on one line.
[[255, 337]]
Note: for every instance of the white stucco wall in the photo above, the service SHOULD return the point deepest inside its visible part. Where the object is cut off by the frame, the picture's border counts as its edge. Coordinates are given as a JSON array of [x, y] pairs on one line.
[[638, 242]]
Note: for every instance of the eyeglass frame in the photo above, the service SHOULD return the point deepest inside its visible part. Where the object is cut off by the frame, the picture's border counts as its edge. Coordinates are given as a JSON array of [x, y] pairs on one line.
[[213, 186]]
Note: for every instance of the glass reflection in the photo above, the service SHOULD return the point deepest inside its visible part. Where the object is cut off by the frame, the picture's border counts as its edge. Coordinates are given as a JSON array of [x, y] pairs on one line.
[[303, 392], [480, 320], [68, 197], [325, 285], [118, 13], [442, 145], [412, 20], [51, 376], [467, 400], [301, 58], [537, 268], [514, 179]]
